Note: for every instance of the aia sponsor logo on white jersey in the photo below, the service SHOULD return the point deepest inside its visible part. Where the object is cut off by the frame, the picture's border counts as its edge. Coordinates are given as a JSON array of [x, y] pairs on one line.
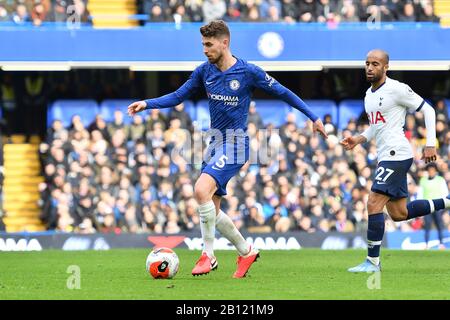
[[386, 109]]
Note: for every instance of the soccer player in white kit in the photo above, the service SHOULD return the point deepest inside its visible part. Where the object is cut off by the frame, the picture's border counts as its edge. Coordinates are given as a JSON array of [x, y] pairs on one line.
[[386, 104]]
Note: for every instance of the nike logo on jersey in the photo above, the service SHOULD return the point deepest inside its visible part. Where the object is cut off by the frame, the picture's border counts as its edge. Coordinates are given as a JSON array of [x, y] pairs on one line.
[[209, 82], [215, 168]]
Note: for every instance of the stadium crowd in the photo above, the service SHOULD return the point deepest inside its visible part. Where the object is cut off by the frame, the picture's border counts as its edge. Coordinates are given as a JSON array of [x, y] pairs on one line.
[[113, 177], [306, 11], [38, 11], [330, 11]]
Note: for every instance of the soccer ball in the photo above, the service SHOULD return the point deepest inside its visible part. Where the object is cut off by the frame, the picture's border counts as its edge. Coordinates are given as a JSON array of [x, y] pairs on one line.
[[162, 263]]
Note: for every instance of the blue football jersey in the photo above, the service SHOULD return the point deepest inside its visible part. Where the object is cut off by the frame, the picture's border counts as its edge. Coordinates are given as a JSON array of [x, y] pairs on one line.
[[229, 93]]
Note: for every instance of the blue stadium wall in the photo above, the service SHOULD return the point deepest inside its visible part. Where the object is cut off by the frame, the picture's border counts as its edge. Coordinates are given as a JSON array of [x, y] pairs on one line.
[[255, 42]]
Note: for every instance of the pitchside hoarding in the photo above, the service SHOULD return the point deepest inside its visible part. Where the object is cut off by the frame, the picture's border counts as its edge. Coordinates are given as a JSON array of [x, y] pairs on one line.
[[192, 241]]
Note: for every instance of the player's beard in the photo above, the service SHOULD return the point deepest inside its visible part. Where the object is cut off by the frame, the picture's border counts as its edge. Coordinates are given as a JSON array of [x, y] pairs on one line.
[[215, 60], [375, 78]]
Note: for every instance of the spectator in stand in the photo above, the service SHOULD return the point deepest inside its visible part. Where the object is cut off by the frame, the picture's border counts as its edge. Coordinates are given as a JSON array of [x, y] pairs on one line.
[[307, 11], [59, 12], [427, 14], [213, 10], [264, 8], [379, 13], [252, 15], [363, 10], [442, 111], [408, 13], [233, 12], [290, 11], [99, 124], [433, 186], [341, 223], [348, 13], [157, 14], [4, 15], [180, 14], [118, 124], [155, 117], [273, 14], [180, 113], [81, 12], [254, 117], [137, 128], [194, 10], [21, 16], [326, 11], [40, 11]]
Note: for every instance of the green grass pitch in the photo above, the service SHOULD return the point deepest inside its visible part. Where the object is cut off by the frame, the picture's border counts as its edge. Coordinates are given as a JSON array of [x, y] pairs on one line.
[[305, 274]]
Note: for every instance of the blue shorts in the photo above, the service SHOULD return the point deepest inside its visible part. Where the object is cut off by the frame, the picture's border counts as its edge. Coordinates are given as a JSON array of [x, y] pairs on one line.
[[224, 163], [391, 178]]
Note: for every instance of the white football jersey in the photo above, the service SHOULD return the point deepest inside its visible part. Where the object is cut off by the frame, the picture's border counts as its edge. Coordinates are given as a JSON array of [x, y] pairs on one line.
[[386, 108]]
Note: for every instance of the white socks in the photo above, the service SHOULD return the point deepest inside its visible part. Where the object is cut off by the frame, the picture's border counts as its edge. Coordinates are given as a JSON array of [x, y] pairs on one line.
[[207, 213], [227, 228], [447, 203], [208, 224], [374, 260]]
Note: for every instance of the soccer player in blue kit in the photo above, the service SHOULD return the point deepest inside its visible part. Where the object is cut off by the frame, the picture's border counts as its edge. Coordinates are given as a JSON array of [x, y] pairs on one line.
[[229, 82]]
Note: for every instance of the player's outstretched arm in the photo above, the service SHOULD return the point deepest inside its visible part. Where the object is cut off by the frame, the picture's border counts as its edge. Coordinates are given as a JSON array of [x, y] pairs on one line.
[[171, 99], [318, 127], [136, 107], [350, 142], [265, 82]]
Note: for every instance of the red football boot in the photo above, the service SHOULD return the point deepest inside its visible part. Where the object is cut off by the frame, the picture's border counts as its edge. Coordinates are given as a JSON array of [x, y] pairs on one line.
[[245, 262], [204, 265]]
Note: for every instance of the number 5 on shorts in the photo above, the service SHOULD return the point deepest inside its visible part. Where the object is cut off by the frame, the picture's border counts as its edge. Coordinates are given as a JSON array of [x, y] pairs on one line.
[[220, 163], [381, 171]]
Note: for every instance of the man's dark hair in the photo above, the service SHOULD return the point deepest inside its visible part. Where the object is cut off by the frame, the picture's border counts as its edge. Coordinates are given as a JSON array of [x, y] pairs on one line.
[[215, 29]]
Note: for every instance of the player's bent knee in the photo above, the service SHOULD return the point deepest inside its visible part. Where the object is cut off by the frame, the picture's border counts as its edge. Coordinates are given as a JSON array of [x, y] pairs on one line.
[[201, 194], [203, 191], [399, 216]]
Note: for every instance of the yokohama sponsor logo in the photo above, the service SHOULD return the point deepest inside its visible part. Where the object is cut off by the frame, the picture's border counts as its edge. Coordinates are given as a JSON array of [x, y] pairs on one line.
[[263, 243], [223, 98], [10, 244]]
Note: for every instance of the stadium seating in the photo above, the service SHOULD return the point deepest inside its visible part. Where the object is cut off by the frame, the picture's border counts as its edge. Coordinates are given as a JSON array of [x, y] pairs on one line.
[[272, 111], [113, 13], [64, 110], [107, 108], [447, 102], [190, 108], [202, 118], [320, 108], [349, 109]]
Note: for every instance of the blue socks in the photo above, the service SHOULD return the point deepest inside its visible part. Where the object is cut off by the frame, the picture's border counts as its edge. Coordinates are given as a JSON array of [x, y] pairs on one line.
[[439, 204], [421, 208], [375, 232]]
